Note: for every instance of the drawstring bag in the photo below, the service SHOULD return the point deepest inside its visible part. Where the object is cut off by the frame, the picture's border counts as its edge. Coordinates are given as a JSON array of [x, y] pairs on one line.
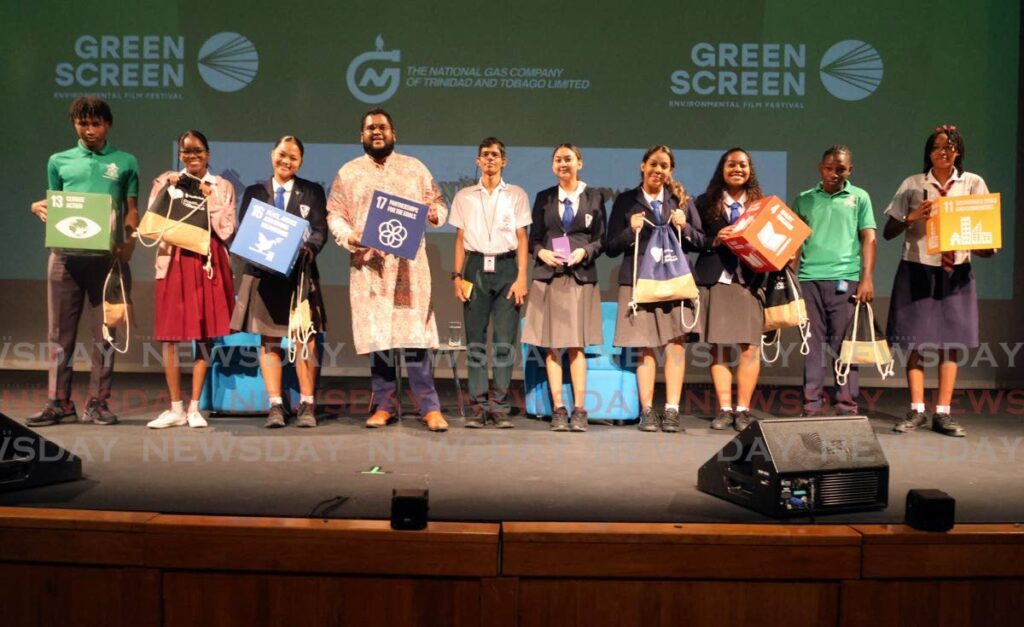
[[863, 343], [179, 216], [784, 307], [300, 315], [664, 273], [117, 302]]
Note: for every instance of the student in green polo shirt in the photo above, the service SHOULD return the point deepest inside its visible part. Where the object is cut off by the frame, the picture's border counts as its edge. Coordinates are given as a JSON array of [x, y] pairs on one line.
[[836, 265], [75, 283]]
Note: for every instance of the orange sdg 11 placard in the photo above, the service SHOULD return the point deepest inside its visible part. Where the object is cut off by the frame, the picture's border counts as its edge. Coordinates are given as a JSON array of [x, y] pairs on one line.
[[964, 223], [767, 235]]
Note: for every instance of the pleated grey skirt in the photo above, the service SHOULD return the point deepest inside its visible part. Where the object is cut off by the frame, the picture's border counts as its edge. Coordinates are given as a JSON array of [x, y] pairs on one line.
[[653, 324], [730, 314], [563, 314]]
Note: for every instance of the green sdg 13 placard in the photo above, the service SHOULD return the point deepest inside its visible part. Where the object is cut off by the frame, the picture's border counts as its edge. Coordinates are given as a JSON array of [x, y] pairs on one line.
[[79, 223]]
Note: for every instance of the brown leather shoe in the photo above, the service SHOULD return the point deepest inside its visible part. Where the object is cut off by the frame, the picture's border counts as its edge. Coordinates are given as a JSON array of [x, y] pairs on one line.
[[435, 421], [380, 418]]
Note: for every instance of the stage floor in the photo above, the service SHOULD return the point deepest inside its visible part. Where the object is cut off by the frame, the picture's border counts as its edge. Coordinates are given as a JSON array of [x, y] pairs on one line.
[[610, 473]]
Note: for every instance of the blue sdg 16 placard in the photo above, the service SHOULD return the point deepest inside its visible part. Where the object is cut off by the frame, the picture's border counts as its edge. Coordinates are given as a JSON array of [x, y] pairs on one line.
[[394, 225], [270, 237]]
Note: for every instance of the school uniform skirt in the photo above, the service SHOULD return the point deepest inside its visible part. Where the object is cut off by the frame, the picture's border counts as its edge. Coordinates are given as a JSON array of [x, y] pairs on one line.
[[189, 305], [563, 314], [731, 313], [654, 324], [932, 308], [264, 305]]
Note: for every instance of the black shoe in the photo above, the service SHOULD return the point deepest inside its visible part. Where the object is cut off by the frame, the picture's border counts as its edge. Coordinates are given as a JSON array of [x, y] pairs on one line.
[[54, 412], [560, 420], [649, 420], [98, 412], [944, 424], [722, 421], [275, 418], [670, 421], [742, 420], [477, 420], [911, 422], [501, 421], [305, 418], [578, 420]]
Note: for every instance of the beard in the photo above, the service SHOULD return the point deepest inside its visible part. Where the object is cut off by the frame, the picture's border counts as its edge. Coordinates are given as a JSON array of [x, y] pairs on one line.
[[379, 154]]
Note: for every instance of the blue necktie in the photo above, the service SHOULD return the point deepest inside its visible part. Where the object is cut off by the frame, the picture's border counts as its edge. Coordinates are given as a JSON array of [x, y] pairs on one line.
[[730, 261], [279, 198], [656, 206], [567, 215]]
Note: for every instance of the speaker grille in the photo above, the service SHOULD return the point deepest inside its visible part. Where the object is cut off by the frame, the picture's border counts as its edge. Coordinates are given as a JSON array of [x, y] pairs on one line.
[[855, 488]]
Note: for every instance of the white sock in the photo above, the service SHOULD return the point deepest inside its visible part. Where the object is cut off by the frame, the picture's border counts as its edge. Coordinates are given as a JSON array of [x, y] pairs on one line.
[[306, 399], [669, 407], [917, 407], [725, 408], [740, 408], [942, 409], [178, 407], [276, 400], [193, 406]]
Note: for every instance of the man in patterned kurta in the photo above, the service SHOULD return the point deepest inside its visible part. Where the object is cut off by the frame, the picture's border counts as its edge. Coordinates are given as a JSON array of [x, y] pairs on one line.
[[390, 296]]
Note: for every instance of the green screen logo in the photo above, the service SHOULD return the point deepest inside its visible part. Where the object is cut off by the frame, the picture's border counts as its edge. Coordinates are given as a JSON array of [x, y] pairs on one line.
[[851, 70], [228, 62]]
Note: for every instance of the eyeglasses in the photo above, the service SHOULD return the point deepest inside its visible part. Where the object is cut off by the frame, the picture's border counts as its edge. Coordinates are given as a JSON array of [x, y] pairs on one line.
[[946, 149], [192, 151]]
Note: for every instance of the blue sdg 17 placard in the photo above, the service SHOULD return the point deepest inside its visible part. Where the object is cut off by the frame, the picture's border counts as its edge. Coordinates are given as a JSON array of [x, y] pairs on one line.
[[394, 225]]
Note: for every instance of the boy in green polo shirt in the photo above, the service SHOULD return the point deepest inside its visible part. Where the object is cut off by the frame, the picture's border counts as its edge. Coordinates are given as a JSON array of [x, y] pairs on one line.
[[836, 264], [74, 283]]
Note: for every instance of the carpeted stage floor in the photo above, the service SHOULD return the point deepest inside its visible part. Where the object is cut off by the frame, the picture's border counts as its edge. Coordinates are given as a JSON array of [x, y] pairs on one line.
[[610, 473]]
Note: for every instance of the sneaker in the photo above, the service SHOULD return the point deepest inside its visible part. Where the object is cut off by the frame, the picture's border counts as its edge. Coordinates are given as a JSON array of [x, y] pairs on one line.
[[196, 420], [98, 412], [723, 420], [560, 420], [54, 412], [305, 417], [648, 420], [168, 419], [501, 421], [578, 420], [477, 420], [275, 417], [911, 422], [670, 421], [742, 420], [944, 424]]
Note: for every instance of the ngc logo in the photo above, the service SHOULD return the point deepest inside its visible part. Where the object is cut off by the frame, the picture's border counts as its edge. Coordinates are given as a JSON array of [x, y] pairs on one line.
[[384, 83]]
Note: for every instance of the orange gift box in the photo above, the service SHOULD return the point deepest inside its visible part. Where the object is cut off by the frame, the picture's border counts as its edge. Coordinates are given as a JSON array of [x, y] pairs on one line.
[[767, 235], [964, 223]]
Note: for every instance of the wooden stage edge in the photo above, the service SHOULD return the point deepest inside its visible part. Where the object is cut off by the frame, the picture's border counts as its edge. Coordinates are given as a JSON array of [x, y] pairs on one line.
[[143, 568]]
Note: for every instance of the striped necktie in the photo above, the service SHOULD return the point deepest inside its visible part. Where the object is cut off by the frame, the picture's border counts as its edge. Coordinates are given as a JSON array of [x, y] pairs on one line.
[[656, 207], [730, 262], [949, 257], [279, 198], [567, 215]]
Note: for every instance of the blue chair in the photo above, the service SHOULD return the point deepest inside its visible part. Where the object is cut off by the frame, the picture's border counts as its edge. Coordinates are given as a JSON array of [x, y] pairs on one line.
[[612, 392], [234, 383]]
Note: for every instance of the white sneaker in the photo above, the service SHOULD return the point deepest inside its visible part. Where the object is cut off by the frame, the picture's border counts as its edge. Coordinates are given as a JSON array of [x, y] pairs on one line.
[[167, 419], [196, 420]]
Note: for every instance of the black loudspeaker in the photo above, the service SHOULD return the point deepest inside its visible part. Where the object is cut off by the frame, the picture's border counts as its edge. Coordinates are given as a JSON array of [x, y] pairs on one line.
[[409, 509], [930, 510], [28, 460], [786, 467]]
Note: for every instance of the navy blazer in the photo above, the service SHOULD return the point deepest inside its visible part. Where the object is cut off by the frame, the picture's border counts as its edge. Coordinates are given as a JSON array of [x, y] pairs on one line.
[[303, 193], [622, 240], [586, 232], [711, 261]]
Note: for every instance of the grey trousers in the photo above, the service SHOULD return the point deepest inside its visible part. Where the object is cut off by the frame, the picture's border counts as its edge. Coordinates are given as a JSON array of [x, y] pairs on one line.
[[829, 313]]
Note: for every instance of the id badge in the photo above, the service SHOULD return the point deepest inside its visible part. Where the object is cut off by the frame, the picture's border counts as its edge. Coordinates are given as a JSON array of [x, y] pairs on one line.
[[488, 263], [842, 286]]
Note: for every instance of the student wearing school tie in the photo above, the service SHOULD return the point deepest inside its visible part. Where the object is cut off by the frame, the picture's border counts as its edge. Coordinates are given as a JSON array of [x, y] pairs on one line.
[[732, 314], [934, 304]]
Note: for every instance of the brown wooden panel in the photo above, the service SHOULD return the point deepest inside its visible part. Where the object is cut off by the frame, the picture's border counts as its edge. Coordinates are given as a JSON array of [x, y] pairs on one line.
[[255, 600], [332, 546], [899, 552], [680, 551], [58, 518], [42, 595], [499, 602], [635, 603], [951, 603], [72, 536]]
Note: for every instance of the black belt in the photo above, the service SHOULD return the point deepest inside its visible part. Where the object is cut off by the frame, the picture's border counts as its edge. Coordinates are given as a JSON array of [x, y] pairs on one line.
[[510, 253]]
